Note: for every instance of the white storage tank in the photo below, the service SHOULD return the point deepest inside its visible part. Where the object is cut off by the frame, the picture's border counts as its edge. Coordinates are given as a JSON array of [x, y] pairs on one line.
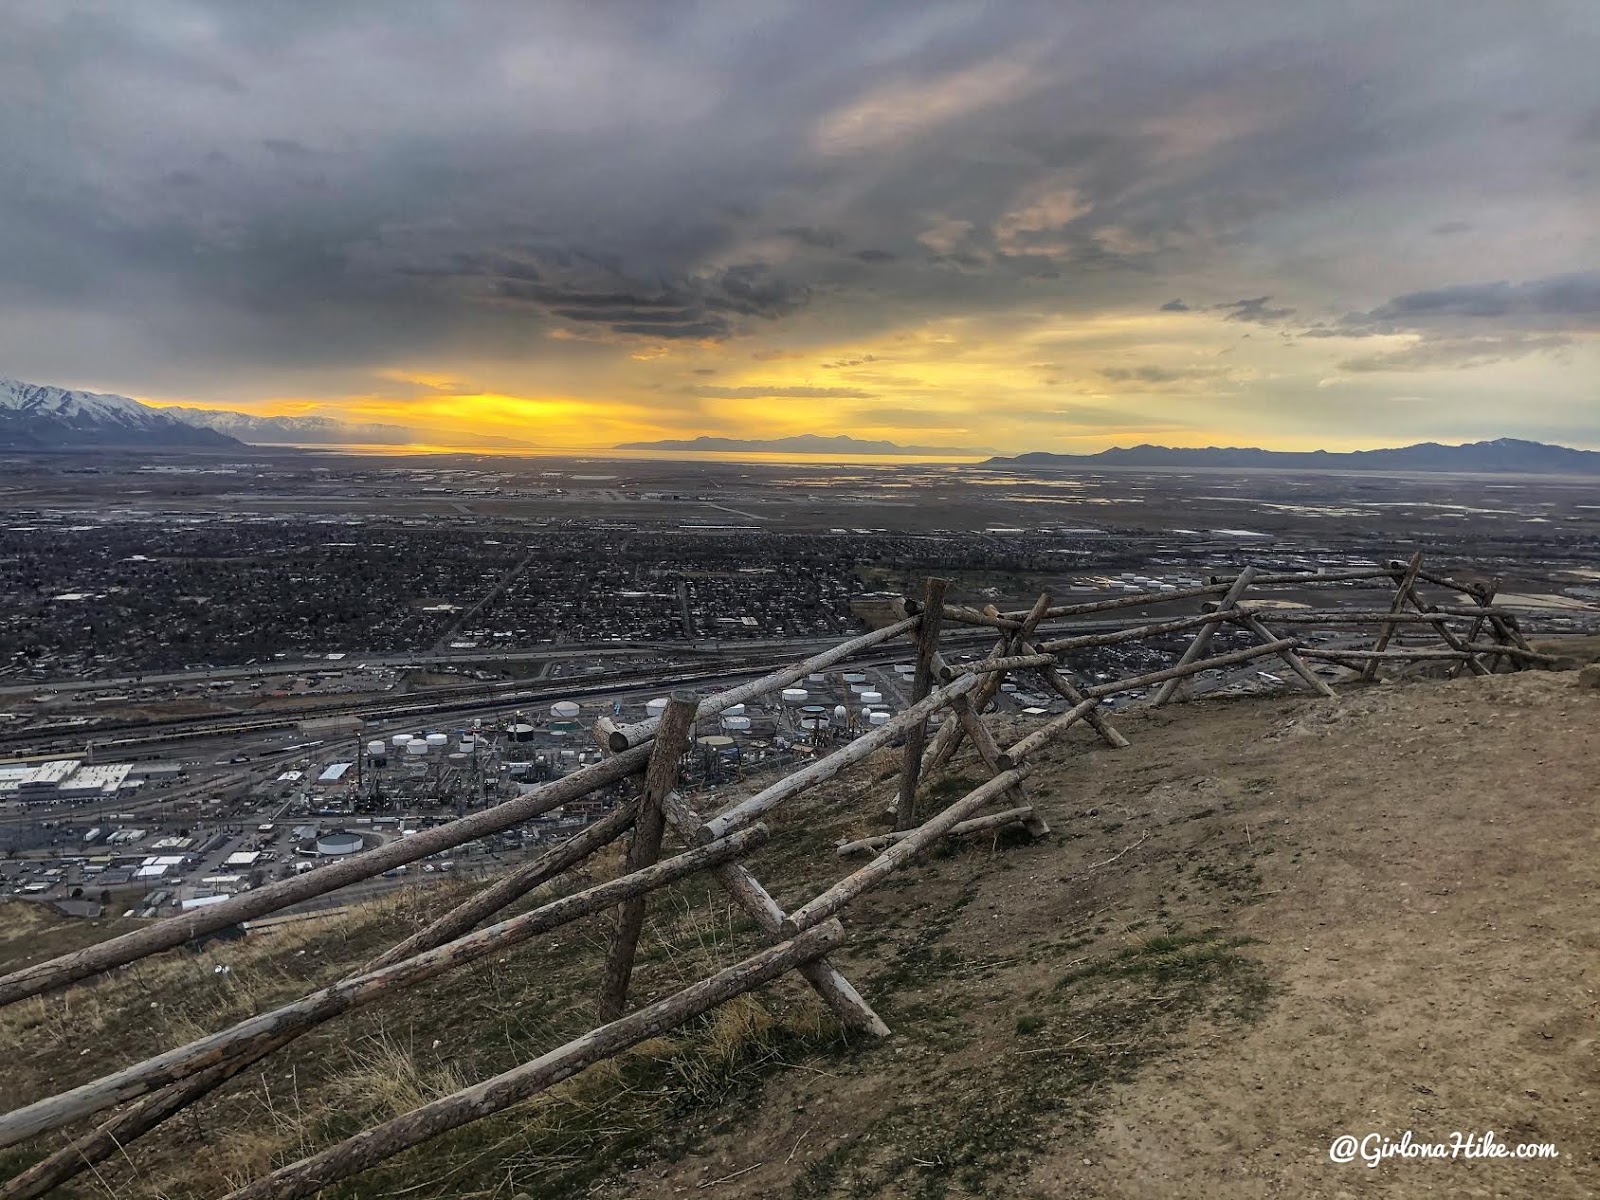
[[399, 739], [795, 695], [872, 697], [437, 741], [733, 710], [378, 749], [656, 707], [854, 677], [564, 710], [878, 718], [736, 724], [416, 746]]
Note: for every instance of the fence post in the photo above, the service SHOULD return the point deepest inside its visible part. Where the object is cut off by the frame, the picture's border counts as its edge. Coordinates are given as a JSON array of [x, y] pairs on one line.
[[661, 776], [921, 684], [1402, 596], [1202, 640]]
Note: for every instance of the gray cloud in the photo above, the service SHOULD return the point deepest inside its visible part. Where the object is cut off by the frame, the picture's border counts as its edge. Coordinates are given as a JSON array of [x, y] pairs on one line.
[[1255, 310], [1457, 353], [1576, 294]]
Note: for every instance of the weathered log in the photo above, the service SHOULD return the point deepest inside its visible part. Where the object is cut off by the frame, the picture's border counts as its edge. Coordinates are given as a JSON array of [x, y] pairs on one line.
[[134, 1122], [1433, 577], [961, 614], [950, 733], [815, 772], [1468, 650], [113, 1137], [921, 684], [915, 842], [1185, 669], [1483, 597], [1290, 659], [174, 931], [372, 1146], [1047, 732], [508, 889], [1138, 599], [1402, 595], [1408, 594], [625, 737], [1202, 638], [1366, 616], [985, 666], [988, 750], [1133, 633], [746, 891], [370, 986], [969, 828], [660, 778]]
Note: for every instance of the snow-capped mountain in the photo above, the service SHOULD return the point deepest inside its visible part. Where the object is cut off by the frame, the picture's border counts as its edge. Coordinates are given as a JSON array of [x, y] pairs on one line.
[[291, 430], [39, 417]]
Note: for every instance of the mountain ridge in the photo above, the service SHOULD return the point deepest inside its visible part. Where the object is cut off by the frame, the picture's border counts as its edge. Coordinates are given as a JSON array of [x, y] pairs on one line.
[[1499, 455], [42, 417]]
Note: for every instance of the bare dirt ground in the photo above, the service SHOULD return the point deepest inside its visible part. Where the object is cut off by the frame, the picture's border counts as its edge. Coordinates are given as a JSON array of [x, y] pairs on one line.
[[1265, 924]]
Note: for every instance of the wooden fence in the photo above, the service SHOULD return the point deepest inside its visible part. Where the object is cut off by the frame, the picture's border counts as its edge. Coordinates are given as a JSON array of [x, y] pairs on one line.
[[1475, 636]]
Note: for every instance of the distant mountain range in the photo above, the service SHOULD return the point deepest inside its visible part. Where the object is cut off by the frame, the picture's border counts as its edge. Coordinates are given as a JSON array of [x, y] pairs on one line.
[[1503, 455], [36, 417], [804, 443], [290, 430], [40, 417]]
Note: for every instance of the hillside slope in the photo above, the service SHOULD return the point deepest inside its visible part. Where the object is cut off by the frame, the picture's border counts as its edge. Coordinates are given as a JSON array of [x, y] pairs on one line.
[[1266, 923]]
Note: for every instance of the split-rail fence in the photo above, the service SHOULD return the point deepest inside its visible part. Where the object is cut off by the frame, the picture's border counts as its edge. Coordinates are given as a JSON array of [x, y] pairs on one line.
[[1475, 635]]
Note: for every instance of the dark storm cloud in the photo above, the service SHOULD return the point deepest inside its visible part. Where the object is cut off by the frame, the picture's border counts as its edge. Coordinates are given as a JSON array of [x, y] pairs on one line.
[[1571, 295], [194, 187]]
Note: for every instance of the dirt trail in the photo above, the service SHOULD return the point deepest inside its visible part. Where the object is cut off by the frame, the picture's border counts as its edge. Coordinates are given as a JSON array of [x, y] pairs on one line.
[[1265, 924]]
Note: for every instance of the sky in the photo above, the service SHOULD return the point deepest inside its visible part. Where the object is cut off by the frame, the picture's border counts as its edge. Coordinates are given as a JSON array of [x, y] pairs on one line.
[[1024, 226]]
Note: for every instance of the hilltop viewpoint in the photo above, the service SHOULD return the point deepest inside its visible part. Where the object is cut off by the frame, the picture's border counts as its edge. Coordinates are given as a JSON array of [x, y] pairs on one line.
[[1267, 923]]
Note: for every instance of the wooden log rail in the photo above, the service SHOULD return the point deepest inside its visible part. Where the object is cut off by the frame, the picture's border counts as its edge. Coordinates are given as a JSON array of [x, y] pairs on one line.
[[320, 1006], [1141, 599], [364, 1150], [175, 931], [624, 737], [990, 823], [1399, 654], [769, 798], [132, 1123], [915, 842]]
